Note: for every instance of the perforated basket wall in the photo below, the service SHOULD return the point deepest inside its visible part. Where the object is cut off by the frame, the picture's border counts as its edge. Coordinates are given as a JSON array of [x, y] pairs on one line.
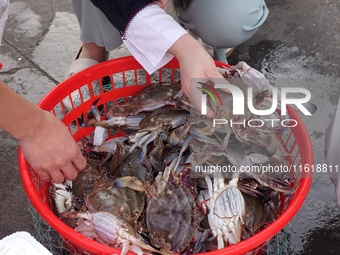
[[115, 80]]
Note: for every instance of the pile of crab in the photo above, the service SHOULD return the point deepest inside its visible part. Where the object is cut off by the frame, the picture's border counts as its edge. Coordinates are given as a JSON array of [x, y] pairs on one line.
[[141, 192]]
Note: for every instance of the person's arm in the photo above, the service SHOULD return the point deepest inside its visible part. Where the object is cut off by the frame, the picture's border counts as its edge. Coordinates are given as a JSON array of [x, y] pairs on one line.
[[147, 30], [120, 12], [153, 37], [45, 141], [149, 36], [195, 62]]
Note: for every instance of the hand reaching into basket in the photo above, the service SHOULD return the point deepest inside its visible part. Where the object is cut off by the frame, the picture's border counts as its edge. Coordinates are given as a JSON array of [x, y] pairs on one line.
[[195, 62], [45, 141], [51, 150], [154, 38]]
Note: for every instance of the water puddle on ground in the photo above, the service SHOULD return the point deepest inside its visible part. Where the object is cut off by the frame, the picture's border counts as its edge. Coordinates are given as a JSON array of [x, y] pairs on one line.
[[316, 227]]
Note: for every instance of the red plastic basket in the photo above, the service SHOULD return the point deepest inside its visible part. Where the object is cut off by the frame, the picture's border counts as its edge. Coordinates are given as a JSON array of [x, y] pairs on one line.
[[127, 77]]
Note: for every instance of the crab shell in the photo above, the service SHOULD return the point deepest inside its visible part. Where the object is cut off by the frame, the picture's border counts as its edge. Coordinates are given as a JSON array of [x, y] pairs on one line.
[[172, 217], [86, 179], [110, 229], [255, 215], [119, 201], [131, 166], [149, 99]]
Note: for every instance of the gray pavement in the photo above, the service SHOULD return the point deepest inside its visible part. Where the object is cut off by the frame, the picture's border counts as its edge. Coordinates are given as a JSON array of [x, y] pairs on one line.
[[299, 42]]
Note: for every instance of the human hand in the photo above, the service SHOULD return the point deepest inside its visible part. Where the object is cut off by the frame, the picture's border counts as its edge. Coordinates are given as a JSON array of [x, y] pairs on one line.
[[195, 62], [162, 3], [52, 152]]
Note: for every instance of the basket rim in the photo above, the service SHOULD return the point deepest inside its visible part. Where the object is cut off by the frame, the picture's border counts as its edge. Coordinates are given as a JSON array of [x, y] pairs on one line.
[[242, 247]]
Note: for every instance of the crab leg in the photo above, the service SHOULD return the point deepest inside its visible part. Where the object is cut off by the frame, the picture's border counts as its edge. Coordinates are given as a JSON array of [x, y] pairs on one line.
[[226, 208], [142, 139], [184, 148]]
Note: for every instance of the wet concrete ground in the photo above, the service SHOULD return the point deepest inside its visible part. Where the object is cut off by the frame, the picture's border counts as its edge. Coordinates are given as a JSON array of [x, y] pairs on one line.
[[299, 44]]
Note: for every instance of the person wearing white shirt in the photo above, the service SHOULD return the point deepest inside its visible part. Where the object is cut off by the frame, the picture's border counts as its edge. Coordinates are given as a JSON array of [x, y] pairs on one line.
[[151, 35]]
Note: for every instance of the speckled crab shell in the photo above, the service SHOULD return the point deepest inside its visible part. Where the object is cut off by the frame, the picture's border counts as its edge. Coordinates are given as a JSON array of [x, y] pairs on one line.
[[172, 217], [125, 202]]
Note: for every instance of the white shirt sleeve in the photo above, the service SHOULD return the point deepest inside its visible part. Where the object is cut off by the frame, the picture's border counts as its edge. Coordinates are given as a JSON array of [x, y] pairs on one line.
[[150, 34]]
